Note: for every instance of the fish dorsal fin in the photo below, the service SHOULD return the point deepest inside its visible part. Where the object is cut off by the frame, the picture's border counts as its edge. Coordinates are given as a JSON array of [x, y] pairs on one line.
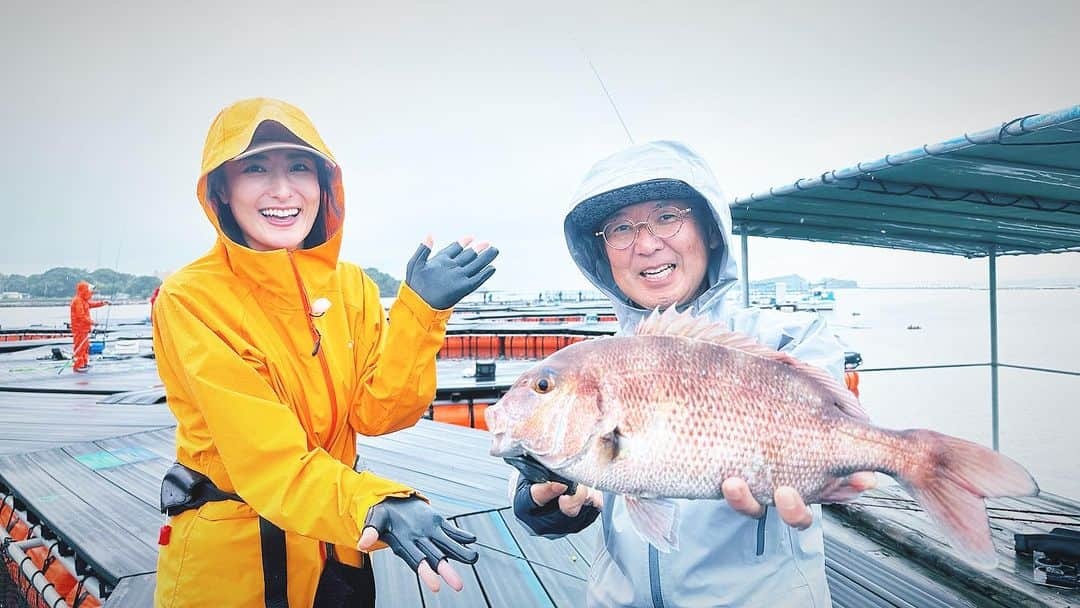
[[674, 323]]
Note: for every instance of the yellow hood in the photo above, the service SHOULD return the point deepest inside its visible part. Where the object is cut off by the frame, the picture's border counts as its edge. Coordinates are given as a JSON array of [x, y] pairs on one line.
[[230, 134]]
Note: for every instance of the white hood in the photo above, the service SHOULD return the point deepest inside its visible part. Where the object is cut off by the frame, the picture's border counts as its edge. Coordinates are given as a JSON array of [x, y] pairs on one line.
[[651, 171]]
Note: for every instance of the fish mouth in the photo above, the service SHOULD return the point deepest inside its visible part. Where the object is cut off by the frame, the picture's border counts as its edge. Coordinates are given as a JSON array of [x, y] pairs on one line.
[[502, 445]]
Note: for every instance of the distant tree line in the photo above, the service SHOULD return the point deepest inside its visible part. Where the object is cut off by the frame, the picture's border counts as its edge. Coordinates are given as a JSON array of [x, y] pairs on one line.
[[388, 285], [60, 283]]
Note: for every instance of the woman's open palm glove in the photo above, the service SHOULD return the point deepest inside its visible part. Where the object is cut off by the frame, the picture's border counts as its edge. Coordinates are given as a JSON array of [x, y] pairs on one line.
[[453, 273], [419, 535]]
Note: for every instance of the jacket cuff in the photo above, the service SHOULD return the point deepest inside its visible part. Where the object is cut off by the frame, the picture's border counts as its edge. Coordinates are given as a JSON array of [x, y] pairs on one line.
[[379, 490], [548, 520], [425, 315]]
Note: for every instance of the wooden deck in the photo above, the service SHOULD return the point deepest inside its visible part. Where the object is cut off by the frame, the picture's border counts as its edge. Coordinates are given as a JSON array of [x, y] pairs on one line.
[[91, 472]]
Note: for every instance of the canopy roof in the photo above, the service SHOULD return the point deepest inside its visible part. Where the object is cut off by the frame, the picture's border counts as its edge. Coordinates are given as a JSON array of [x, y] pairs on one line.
[[1014, 189]]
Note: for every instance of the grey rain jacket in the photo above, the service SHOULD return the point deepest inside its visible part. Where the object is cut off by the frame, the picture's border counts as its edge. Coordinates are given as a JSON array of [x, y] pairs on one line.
[[725, 558]]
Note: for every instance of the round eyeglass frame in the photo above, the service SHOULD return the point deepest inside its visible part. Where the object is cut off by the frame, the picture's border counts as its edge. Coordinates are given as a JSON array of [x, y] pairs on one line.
[[636, 227]]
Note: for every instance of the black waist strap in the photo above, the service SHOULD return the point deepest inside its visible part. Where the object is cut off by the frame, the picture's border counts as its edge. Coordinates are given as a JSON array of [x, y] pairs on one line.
[[183, 489], [275, 572]]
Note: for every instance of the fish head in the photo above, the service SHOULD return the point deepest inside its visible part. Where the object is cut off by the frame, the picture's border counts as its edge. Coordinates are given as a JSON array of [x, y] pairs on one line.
[[551, 413]]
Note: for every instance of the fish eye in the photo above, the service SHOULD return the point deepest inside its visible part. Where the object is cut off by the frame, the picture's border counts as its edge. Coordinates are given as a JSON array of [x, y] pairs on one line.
[[543, 385]]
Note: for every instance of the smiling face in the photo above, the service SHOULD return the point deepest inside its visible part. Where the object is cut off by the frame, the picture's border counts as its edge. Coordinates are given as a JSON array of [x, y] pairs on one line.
[[274, 196], [659, 272]]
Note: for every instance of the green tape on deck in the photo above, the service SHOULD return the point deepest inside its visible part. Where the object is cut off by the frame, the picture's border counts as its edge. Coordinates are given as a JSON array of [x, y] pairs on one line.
[[134, 454], [99, 460], [105, 459]]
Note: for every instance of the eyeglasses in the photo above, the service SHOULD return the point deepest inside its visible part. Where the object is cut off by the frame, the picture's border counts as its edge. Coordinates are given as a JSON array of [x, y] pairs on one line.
[[663, 223]]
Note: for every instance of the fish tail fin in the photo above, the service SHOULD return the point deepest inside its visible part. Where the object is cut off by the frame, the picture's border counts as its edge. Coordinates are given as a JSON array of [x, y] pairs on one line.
[[952, 485]]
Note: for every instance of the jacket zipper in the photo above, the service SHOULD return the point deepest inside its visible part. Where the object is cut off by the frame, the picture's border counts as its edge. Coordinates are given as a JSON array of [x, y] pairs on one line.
[[317, 352], [654, 578], [761, 531]]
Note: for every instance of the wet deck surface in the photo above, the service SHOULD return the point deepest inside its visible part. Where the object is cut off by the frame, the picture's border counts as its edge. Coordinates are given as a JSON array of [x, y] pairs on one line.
[[92, 470]]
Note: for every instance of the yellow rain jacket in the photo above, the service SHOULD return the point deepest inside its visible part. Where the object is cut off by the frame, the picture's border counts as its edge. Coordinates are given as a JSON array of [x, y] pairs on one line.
[[259, 413]]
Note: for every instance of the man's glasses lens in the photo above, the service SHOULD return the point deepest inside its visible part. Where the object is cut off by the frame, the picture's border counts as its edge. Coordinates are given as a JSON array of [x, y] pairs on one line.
[[663, 222]]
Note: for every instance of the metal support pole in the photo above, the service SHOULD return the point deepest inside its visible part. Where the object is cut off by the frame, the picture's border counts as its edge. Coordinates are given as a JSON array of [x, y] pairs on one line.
[[993, 348], [745, 268]]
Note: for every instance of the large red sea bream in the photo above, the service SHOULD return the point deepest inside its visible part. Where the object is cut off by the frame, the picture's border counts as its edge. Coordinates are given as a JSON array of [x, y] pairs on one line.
[[684, 404]]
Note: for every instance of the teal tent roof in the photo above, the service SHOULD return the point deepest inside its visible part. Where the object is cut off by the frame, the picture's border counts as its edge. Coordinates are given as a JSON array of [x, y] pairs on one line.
[[1014, 189]]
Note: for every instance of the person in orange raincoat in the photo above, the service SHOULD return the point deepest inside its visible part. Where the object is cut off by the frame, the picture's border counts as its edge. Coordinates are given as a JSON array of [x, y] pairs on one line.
[[274, 355], [81, 324]]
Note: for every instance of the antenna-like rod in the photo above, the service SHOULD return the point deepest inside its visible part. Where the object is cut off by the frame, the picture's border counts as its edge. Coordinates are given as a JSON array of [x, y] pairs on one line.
[[608, 95]]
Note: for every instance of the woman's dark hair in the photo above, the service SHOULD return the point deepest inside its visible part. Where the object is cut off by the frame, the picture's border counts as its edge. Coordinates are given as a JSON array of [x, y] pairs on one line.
[[215, 185]]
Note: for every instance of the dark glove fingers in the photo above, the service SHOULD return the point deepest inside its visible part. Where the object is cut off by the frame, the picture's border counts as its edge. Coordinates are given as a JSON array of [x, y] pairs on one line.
[[485, 258], [457, 534], [480, 279], [453, 548], [451, 251], [465, 257], [406, 551], [418, 259], [377, 518], [432, 553]]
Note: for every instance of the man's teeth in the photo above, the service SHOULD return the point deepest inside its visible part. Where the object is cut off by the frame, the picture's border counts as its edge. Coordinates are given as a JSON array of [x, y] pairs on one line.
[[655, 271], [280, 212]]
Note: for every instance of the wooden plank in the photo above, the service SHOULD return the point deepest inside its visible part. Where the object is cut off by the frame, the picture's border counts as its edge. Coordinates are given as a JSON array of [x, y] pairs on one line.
[[507, 578], [36, 421], [101, 540], [105, 377], [449, 464], [483, 493], [911, 534], [472, 448], [846, 593], [133, 592], [587, 542], [556, 562], [556, 554], [866, 564], [142, 480], [446, 496], [395, 585], [110, 500]]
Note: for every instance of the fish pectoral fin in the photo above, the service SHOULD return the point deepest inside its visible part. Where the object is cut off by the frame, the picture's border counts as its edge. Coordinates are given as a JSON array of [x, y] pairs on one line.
[[838, 490], [656, 521]]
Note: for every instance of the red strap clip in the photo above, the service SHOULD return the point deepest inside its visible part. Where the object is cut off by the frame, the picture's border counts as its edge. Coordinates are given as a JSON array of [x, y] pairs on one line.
[[164, 534]]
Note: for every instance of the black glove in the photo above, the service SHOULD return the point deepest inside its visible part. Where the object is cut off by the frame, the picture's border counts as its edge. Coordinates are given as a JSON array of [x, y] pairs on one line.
[[415, 532], [452, 274], [531, 469]]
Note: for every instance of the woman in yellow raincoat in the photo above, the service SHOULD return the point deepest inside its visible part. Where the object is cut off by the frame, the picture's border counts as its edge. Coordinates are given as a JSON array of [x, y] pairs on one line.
[[274, 355]]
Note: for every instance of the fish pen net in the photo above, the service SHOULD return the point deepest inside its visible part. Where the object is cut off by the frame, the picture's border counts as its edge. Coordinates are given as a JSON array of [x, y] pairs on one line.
[[16, 590], [34, 576]]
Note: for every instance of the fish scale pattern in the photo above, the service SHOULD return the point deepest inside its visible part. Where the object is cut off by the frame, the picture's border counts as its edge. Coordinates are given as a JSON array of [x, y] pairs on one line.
[[692, 413]]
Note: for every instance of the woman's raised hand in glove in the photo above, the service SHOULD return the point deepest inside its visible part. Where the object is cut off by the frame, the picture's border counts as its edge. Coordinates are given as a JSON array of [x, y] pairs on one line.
[[451, 274]]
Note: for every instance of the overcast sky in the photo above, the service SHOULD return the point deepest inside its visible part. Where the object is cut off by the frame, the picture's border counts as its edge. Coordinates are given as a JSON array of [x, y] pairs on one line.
[[458, 118]]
